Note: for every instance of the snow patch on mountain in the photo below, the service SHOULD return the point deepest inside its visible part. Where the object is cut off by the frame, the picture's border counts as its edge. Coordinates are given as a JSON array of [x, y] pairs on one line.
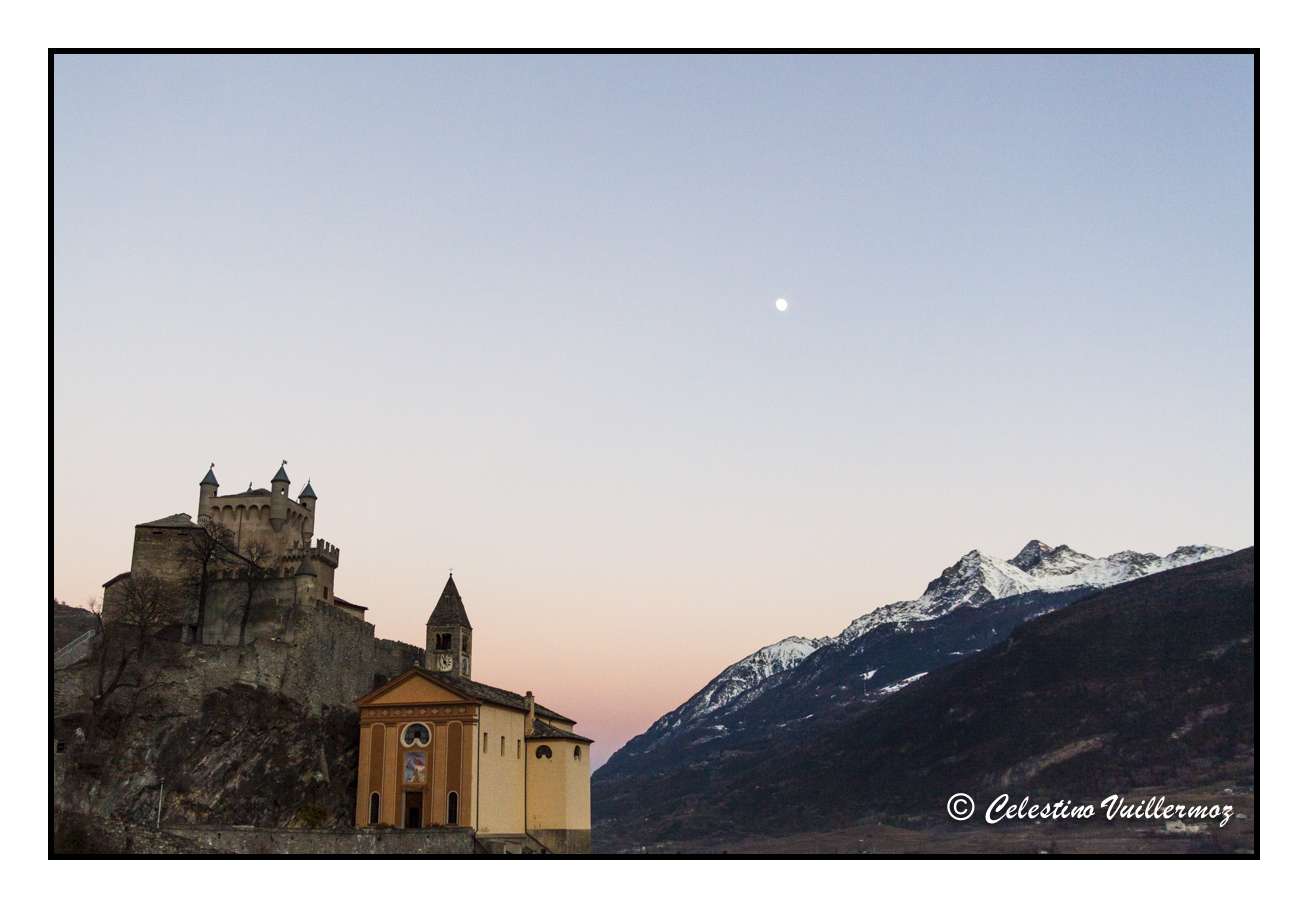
[[737, 681], [901, 684]]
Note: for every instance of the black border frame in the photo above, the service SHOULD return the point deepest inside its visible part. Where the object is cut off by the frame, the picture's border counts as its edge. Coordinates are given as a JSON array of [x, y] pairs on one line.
[[53, 52]]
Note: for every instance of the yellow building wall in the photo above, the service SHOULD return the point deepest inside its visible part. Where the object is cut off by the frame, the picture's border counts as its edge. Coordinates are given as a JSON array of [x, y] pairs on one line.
[[501, 783], [546, 786], [558, 788], [577, 787], [470, 810], [391, 777]]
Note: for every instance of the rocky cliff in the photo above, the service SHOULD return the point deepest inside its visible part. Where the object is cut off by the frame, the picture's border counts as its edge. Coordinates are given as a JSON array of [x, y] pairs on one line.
[[262, 734]]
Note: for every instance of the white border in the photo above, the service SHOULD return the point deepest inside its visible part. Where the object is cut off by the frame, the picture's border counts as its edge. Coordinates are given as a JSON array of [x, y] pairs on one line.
[[31, 28]]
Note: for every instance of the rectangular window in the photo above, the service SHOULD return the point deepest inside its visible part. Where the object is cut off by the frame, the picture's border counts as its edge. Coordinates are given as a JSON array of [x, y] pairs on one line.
[[485, 741], [501, 745], [518, 756]]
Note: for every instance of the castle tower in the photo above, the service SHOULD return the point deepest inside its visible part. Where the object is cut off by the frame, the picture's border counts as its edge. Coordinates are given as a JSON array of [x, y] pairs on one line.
[[449, 634], [308, 501], [306, 581], [281, 489], [208, 491]]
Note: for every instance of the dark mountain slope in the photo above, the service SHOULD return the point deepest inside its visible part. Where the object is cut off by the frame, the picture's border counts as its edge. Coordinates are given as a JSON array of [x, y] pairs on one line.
[[825, 686], [1150, 683]]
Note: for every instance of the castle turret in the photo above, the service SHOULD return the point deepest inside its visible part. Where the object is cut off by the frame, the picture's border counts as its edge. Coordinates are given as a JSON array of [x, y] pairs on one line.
[[308, 501], [208, 491], [449, 634], [281, 490], [306, 580]]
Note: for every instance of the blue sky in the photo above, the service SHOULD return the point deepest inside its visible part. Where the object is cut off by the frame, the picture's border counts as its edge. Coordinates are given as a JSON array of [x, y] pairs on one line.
[[515, 317]]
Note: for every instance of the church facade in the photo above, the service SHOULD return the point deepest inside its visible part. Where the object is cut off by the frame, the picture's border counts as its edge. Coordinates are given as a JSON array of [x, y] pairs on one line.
[[437, 748]]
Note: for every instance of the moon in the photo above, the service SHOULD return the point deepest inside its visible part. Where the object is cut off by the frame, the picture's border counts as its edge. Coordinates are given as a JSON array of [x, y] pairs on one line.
[[782, 305]]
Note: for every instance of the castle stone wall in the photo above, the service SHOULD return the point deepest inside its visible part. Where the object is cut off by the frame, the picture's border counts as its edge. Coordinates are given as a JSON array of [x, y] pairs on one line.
[[315, 654]]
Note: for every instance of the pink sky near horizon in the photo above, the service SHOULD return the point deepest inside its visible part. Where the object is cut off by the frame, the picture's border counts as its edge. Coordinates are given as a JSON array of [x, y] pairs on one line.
[[515, 317], [549, 621]]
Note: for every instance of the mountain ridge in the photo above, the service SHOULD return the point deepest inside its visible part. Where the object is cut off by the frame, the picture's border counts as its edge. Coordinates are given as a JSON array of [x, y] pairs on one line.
[[973, 580]]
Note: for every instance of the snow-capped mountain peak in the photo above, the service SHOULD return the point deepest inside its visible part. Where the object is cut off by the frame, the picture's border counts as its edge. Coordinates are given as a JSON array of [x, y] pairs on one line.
[[1041, 560], [976, 579], [972, 580], [1031, 555]]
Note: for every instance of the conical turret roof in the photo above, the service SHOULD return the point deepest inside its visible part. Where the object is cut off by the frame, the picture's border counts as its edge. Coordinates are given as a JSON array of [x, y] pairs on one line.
[[209, 478], [449, 609], [281, 474], [308, 491]]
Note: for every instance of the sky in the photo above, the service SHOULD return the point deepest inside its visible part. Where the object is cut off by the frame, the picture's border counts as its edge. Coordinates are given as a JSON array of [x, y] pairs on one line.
[[515, 317]]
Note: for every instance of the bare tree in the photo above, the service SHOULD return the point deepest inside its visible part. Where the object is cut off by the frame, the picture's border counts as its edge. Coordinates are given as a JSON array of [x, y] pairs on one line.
[[208, 548], [148, 605], [256, 567]]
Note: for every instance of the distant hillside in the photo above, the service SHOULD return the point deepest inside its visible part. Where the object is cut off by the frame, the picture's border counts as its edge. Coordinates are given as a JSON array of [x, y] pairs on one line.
[[69, 623], [1150, 683]]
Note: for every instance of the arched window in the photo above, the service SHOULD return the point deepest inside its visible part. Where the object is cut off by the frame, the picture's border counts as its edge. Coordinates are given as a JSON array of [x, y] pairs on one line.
[[452, 817], [543, 752], [416, 734], [374, 808], [576, 752]]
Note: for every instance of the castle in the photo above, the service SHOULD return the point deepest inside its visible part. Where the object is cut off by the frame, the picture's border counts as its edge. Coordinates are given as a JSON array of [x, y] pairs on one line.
[[257, 528], [436, 748]]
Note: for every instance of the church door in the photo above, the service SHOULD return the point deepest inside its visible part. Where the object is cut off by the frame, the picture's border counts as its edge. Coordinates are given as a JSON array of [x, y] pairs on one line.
[[413, 810]]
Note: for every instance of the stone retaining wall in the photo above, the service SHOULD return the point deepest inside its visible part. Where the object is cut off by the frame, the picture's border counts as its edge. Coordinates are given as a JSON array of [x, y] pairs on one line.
[[250, 840]]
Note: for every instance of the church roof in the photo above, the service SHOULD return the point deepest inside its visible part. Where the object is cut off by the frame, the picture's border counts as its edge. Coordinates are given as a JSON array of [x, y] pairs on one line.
[[172, 520], [544, 730], [473, 690], [281, 474], [209, 478], [449, 608], [308, 491]]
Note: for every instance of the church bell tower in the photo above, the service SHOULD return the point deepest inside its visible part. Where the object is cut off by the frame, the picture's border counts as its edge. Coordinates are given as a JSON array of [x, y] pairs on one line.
[[449, 634]]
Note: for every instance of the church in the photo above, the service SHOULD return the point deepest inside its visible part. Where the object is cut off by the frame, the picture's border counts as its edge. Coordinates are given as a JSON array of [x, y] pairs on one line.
[[437, 748]]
